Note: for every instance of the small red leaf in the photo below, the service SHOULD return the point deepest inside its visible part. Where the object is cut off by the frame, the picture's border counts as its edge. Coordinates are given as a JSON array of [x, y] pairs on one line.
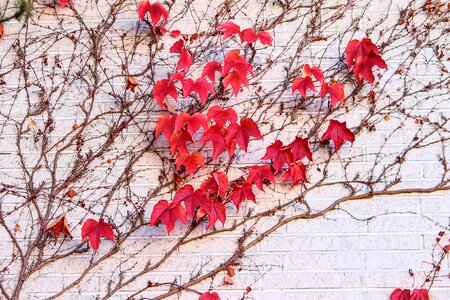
[[209, 296], [338, 133], [168, 214], [190, 161], [162, 89], [191, 123], [315, 71], [156, 11], [221, 116], [335, 90], [300, 149], [215, 211], [230, 29], [399, 294], [301, 84], [166, 125], [178, 141], [241, 193], [258, 174], [215, 185], [216, 135], [279, 154], [210, 70], [296, 172], [94, 230], [421, 294], [200, 86], [242, 133], [131, 84]]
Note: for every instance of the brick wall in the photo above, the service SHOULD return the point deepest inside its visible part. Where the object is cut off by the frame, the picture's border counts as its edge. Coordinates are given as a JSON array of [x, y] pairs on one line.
[[348, 254]]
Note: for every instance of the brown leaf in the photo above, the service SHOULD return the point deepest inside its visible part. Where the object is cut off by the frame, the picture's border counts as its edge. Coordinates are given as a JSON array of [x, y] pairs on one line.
[[228, 280], [59, 226], [131, 83], [2, 31]]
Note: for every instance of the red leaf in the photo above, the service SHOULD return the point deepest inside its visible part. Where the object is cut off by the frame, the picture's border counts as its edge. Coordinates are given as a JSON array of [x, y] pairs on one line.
[[242, 133], [175, 33], [338, 133], [64, 2], [156, 11], [166, 125], [178, 141], [215, 211], [279, 154], [221, 116], [235, 62], [209, 296], [296, 172], [364, 64], [236, 81], [215, 185], [162, 89], [216, 135], [421, 294], [315, 71], [190, 198], [200, 86], [248, 35], [191, 123], [300, 149], [257, 175], [94, 230], [264, 38], [210, 70], [301, 84], [185, 61], [190, 161], [168, 214], [240, 193], [355, 49], [399, 294], [59, 226], [364, 55], [230, 29], [335, 90]]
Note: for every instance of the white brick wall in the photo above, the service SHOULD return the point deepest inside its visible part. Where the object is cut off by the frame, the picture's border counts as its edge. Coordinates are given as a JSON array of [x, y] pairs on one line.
[[332, 257]]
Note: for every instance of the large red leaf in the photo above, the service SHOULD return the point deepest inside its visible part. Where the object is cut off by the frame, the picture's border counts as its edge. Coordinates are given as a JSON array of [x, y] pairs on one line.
[[258, 174], [279, 154], [235, 62], [356, 48], [242, 133], [338, 133], [168, 214], [94, 230], [236, 81], [241, 193], [59, 226]]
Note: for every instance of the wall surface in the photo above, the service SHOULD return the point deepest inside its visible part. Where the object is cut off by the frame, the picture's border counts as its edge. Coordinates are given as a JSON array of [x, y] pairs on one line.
[[361, 250]]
